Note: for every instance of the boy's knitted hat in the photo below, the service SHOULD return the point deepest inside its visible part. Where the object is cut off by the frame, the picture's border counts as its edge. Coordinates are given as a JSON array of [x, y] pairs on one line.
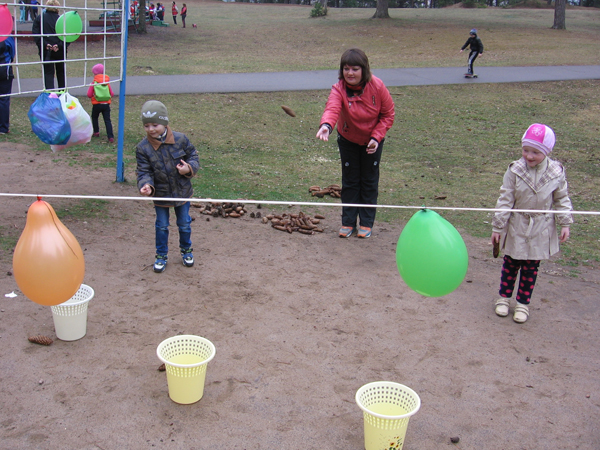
[[540, 137], [154, 111], [98, 69]]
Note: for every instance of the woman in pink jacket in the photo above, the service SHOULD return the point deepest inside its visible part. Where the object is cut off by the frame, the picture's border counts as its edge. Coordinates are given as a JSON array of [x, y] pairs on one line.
[[363, 110]]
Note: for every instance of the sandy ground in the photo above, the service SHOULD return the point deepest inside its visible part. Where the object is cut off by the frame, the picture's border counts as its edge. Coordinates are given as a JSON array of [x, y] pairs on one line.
[[299, 323]]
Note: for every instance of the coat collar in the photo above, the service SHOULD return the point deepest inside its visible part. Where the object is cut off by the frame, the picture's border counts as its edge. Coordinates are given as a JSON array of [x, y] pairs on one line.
[[553, 170], [155, 143]]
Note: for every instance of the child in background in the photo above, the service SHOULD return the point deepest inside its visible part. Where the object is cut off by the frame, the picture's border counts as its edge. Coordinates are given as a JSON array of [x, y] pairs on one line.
[[476, 47], [166, 162], [101, 106], [534, 182]]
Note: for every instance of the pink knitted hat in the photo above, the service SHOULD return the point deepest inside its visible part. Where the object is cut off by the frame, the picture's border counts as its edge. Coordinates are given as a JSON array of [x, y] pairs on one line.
[[98, 69], [540, 137]]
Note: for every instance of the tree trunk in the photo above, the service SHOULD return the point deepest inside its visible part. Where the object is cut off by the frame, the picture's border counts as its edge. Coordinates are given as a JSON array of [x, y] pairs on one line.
[[142, 17], [559, 14], [382, 10]]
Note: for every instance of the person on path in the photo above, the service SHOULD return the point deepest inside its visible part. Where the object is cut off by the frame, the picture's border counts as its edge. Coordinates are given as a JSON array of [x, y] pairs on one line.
[[533, 182], [183, 14], [7, 57], [34, 9], [51, 49], [100, 106], [174, 11], [476, 47], [363, 110], [166, 162]]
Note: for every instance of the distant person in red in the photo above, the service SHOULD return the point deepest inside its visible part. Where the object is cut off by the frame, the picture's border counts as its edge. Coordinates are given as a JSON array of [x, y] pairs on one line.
[[363, 110], [183, 14], [174, 11]]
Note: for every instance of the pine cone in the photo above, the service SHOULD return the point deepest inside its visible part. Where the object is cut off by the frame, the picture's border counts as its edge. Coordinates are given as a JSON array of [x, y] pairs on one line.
[[42, 340], [162, 367]]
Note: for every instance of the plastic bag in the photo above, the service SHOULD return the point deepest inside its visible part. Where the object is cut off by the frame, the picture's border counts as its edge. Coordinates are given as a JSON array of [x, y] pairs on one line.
[[79, 120], [48, 121]]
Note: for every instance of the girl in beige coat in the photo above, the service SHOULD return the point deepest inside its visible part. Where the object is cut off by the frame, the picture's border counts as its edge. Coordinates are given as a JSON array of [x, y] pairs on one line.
[[534, 182]]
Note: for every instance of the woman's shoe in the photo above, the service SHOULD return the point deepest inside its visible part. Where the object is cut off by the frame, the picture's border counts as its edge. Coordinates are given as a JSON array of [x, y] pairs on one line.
[[346, 232], [502, 305], [364, 232], [521, 313]]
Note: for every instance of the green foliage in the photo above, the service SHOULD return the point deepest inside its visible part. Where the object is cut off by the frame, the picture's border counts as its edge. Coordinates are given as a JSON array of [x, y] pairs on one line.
[[318, 10]]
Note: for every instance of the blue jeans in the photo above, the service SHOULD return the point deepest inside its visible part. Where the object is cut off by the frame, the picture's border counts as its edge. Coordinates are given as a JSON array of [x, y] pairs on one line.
[[162, 228]]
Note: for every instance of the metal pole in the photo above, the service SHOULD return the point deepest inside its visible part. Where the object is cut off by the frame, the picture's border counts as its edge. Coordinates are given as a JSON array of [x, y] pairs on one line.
[[124, 34]]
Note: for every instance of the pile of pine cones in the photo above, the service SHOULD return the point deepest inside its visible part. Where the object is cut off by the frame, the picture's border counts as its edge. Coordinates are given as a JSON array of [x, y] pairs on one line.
[[335, 190], [234, 210], [300, 222]]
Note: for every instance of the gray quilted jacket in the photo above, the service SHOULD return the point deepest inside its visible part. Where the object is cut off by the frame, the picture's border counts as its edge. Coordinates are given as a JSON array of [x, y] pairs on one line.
[[157, 166]]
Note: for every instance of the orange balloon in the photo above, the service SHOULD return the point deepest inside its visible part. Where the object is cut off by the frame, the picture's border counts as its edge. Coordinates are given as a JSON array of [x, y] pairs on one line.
[[48, 262]]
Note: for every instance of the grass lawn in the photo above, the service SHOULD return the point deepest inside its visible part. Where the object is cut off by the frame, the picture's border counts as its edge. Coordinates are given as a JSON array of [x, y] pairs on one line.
[[454, 141]]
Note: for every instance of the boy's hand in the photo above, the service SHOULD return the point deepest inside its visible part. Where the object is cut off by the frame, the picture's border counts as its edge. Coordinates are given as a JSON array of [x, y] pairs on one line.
[[495, 238], [183, 167], [146, 190], [564, 234]]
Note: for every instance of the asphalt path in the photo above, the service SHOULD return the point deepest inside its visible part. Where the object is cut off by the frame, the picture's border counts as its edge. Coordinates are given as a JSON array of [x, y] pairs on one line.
[[324, 79]]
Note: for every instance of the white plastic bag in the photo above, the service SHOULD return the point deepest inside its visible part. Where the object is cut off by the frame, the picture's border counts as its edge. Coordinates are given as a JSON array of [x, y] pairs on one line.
[[79, 119]]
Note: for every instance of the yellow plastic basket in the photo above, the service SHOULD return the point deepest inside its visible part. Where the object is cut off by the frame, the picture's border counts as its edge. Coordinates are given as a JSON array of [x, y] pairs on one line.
[[186, 358], [387, 407]]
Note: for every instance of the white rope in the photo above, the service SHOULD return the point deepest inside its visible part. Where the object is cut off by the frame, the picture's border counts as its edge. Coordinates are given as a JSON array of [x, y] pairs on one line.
[[274, 202]]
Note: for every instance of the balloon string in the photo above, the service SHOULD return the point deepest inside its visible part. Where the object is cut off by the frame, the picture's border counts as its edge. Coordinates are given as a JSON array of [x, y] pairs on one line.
[[292, 203], [52, 214]]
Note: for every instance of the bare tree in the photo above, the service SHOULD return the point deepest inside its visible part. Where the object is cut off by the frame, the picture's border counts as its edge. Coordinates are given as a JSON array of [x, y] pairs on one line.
[[382, 10], [142, 17], [559, 15]]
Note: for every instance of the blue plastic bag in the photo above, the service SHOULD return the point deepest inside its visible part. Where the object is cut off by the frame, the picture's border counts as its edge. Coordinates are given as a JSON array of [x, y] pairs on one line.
[[48, 121]]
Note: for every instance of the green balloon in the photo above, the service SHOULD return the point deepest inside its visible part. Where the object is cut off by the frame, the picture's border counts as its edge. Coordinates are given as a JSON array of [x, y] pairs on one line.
[[69, 22], [431, 255]]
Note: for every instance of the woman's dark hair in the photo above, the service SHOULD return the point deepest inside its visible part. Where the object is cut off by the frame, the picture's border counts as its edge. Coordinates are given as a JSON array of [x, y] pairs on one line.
[[355, 57]]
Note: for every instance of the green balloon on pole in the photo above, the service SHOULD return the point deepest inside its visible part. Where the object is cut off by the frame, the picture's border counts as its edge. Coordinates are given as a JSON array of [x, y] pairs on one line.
[[431, 255], [69, 26]]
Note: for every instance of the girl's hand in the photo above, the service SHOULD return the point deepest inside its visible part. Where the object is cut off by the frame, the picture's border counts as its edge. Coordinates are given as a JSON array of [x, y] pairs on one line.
[[323, 133], [564, 234], [495, 238], [146, 190], [183, 167], [372, 147]]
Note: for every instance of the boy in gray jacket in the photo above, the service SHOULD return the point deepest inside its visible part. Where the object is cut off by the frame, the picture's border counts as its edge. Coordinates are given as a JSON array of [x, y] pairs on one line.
[[166, 162]]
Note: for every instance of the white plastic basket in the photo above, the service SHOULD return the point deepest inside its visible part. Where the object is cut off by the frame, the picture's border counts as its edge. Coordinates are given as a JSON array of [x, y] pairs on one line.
[[70, 317]]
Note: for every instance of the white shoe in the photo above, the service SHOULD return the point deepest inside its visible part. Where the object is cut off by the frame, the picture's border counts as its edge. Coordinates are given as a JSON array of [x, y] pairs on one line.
[[521, 313], [502, 305]]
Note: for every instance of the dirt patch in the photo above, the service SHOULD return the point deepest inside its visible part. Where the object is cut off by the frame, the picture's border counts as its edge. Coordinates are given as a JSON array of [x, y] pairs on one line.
[[299, 322]]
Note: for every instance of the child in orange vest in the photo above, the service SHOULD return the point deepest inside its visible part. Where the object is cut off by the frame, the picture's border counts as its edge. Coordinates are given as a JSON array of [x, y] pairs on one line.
[[101, 107]]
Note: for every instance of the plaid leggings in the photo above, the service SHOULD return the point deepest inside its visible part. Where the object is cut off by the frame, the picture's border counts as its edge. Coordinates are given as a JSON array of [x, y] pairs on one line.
[[529, 271]]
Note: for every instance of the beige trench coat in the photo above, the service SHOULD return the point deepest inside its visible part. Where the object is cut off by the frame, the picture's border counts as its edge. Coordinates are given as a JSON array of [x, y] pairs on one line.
[[532, 236]]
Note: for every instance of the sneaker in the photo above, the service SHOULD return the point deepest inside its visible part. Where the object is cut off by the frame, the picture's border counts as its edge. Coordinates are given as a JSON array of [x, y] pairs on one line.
[[96, 135], [187, 257], [521, 313], [160, 263], [346, 232], [364, 232], [502, 305], [111, 140]]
